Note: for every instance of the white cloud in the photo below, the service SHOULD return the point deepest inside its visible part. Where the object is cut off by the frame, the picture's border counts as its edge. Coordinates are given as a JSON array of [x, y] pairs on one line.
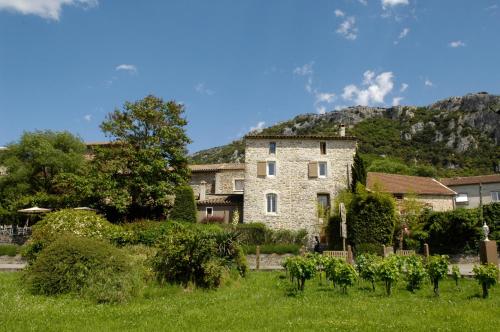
[[258, 127], [456, 43], [87, 117], [324, 97], [396, 101], [392, 3], [304, 70], [321, 109], [339, 13], [404, 33], [348, 29], [428, 82], [128, 68], [403, 88], [376, 87], [49, 9], [203, 90], [363, 2]]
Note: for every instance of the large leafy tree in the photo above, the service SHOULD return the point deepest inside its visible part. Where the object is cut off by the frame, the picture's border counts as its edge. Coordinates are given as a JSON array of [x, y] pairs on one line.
[[34, 166], [137, 174]]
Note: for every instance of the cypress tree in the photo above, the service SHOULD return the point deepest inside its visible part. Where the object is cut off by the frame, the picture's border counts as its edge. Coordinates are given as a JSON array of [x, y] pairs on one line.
[[358, 172], [184, 205]]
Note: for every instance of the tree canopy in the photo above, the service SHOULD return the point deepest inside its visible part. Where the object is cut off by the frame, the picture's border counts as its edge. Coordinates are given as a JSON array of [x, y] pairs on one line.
[[137, 174], [34, 166]]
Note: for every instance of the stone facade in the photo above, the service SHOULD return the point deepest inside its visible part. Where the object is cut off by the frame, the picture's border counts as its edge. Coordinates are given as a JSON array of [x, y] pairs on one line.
[[224, 181], [297, 192], [437, 202], [198, 177]]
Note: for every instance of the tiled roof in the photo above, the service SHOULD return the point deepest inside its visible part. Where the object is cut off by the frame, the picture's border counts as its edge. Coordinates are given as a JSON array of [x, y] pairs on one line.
[[471, 180], [314, 137], [404, 184], [216, 167], [221, 200]]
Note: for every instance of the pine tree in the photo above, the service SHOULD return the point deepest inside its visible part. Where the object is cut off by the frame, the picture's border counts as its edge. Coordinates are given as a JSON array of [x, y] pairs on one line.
[[358, 172]]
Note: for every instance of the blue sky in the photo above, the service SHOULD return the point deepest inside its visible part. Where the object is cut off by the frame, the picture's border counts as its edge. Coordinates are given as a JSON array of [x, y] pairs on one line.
[[236, 65]]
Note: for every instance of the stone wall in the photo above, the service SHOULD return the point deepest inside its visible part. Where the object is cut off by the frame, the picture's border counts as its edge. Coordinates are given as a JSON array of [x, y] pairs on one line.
[[438, 202], [224, 181], [296, 192], [267, 261], [197, 177]]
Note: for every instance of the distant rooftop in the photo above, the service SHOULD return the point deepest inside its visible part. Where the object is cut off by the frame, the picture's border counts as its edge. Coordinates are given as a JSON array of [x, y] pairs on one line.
[[313, 137], [405, 184], [216, 167], [493, 178]]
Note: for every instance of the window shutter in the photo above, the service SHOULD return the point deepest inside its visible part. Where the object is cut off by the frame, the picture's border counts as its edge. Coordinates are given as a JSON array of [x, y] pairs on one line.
[[261, 168], [313, 169]]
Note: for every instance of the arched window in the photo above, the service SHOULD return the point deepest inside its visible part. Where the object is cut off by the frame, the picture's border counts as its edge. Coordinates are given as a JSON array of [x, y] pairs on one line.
[[272, 203]]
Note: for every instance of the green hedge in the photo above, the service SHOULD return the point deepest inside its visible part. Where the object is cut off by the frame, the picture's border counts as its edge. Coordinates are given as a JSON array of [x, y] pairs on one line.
[[459, 231], [371, 218], [184, 206], [8, 250], [258, 234]]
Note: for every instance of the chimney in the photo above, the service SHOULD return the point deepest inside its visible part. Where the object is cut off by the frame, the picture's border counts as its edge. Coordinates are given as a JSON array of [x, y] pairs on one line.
[[203, 190], [342, 130]]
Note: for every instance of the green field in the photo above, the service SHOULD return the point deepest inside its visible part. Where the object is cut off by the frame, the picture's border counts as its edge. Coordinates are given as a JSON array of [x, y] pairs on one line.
[[259, 302]]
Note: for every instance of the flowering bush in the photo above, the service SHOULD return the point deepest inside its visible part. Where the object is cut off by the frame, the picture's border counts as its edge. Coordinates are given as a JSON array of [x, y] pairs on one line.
[[87, 224]]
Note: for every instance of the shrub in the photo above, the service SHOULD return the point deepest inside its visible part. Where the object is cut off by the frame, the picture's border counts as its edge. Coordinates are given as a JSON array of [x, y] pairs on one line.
[[196, 255], [371, 218], [252, 233], [140, 232], [8, 250], [367, 265], [368, 248], [87, 267], [184, 208], [332, 269], [213, 220], [346, 276], [79, 223], [301, 269], [487, 276], [437, 268], [452, 231], [389, 271], [414, 272]]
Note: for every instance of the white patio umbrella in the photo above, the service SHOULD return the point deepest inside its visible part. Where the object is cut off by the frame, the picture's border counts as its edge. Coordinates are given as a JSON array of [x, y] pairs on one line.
[[33, 210], [84, 208]]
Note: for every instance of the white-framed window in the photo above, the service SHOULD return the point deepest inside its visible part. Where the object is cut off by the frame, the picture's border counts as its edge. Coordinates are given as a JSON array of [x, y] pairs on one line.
[[209, 211], [239, 184], [271, 203], [322, 169], [462, 198], [495, 196], [322, 147], [271, 168], [272, 147]]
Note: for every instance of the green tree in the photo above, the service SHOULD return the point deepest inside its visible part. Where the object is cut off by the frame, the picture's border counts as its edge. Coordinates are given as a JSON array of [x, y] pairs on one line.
[[34, 166], [138, 174], [371, 218], [184, 207], [358, 172]]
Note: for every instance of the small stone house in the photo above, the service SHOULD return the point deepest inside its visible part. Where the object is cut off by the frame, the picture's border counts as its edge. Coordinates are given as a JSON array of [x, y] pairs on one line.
[[218, 190], [429, 191], [467, 189]]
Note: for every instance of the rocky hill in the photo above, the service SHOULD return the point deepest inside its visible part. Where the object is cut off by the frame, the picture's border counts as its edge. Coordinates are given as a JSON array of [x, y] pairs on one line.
[[455, 136]]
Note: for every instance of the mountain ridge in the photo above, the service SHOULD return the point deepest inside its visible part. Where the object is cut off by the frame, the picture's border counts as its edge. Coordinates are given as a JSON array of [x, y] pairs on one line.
[[466, 129]]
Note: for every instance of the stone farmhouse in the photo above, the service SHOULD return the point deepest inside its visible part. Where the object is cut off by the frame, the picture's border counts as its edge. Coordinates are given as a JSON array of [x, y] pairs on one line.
[[432, 193], [468, 189], [286, 182]]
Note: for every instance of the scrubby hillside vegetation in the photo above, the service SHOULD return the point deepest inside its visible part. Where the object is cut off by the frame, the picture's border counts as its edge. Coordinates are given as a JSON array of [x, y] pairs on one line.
[[454, 136]]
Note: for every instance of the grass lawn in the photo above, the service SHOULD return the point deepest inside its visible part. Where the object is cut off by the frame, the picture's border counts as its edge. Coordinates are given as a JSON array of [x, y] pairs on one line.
[[258, 302]]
